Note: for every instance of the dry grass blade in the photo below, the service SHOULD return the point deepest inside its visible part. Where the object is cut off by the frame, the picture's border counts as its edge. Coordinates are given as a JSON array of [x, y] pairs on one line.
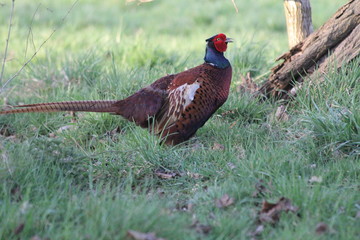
[[247, 84], [6, 160], [142, 236], [236, 9], [7, 40]]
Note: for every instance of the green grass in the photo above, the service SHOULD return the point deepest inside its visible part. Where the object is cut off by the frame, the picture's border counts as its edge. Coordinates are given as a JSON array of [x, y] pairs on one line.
[[89, 183]]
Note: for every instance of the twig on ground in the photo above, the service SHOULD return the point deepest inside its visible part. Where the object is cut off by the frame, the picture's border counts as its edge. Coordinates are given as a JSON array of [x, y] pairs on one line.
[[6, 160], [7, 40]]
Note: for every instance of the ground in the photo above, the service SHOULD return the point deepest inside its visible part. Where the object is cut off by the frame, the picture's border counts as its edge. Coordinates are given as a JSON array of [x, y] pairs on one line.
[[97, 176]]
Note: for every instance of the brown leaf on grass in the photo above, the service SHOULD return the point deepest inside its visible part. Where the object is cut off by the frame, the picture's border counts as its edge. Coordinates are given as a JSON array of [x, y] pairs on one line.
[[217, 146], [321, 228], [224, 201], [19, 228], [281, 114], [194, 175], [201, 228], [116, 131], [163, 174], [142, 236], [261, 189], [270, 212], [229, 112]]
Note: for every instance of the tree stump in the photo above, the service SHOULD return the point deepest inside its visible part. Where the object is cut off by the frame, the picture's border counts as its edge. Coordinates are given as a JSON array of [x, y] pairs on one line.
[[298, 20], [336, 42]]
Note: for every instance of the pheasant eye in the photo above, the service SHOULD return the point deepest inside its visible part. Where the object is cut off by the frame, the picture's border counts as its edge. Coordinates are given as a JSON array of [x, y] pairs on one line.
[[218, 39]]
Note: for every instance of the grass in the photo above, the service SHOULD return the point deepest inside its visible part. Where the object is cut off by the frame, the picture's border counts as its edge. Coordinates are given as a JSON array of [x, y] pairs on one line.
[[90, 182]]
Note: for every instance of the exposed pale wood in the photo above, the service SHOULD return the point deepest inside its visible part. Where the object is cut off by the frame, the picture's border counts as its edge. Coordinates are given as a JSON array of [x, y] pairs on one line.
[[298, 20], [338, 38]]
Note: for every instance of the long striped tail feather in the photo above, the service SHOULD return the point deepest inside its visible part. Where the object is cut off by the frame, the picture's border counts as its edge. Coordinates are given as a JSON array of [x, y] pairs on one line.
[[108, 106]]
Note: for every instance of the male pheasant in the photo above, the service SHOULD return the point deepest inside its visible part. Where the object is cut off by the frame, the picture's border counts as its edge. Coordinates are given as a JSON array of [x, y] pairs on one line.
[[173, 107]]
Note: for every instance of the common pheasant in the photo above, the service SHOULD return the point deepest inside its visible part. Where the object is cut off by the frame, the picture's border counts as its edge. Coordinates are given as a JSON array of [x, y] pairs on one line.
[[174, 107]]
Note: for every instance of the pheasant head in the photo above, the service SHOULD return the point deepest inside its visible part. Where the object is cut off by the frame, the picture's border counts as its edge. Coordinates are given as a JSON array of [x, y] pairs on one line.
[[219, 42], [215, 48]]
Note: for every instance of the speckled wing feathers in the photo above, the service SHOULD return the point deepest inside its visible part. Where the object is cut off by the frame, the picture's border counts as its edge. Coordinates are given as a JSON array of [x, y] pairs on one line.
[[193, 96]]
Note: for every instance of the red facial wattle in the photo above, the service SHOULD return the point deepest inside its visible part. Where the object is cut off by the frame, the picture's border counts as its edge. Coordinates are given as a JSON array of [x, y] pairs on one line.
[[220, 42]]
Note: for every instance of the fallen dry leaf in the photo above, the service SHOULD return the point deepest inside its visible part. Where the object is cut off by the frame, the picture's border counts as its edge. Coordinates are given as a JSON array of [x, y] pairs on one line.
[[281, 114], [218, 146], [270, 212], [315, 179], [224, 201], [115, 131], [64, 128], [201, 228], [233, 124], [321, 228], [261, 189], [19, 228], [142, 236], [162, 173], [229, 112]]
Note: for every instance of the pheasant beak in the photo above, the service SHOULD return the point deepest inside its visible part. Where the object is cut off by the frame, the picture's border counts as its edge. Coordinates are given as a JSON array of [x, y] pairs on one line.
[[229, 40]]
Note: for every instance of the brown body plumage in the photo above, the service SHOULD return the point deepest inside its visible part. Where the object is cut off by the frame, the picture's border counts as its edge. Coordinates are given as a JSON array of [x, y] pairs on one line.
[[178, 104]]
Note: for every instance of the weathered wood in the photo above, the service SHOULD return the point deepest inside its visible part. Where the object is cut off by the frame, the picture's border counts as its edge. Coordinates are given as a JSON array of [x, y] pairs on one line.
[[298, 20], [338, 38]]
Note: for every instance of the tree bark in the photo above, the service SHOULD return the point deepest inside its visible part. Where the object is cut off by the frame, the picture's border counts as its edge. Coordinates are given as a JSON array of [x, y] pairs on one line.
[[338, 39], [298, 20]]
